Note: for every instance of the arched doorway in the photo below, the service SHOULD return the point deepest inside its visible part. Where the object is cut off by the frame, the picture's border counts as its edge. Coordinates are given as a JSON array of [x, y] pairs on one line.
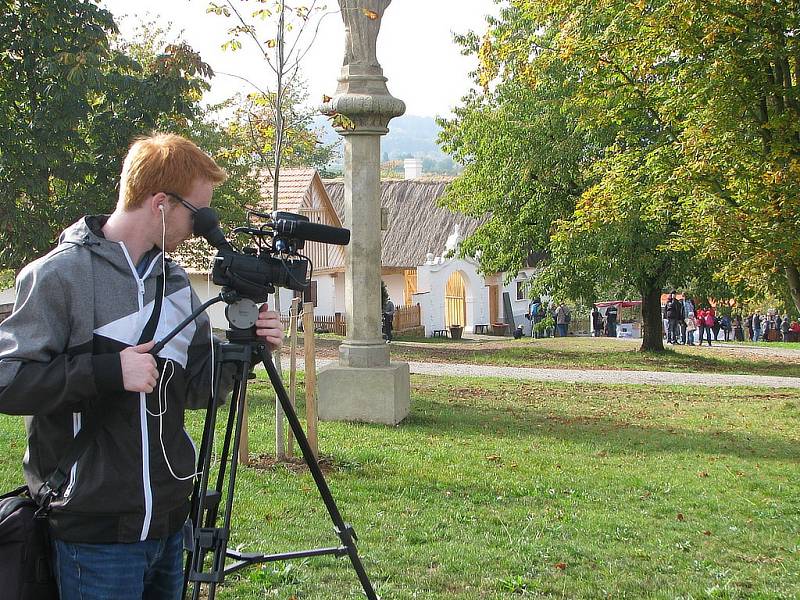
[[455, 301]]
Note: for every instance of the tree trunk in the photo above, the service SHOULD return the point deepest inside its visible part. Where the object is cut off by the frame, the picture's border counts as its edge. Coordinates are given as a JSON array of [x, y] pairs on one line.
[[652, 327], [793, 277]]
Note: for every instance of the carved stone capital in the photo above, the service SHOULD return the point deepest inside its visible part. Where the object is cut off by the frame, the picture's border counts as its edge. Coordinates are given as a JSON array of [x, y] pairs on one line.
[[367, 114]]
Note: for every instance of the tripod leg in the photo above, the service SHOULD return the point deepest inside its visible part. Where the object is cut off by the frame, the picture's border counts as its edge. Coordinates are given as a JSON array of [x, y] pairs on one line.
[[343, 530], [209, 539], [200, 489]]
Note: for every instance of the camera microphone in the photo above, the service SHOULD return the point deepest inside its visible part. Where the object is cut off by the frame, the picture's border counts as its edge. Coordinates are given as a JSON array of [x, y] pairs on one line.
[[206, 224], [313, 232]]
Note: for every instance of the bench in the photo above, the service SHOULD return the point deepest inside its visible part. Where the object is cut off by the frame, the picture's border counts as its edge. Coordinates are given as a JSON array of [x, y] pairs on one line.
[[483, 328], [439, 333]]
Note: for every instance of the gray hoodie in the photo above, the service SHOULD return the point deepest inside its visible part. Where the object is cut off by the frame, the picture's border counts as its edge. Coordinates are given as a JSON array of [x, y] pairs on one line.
[[76, 309]]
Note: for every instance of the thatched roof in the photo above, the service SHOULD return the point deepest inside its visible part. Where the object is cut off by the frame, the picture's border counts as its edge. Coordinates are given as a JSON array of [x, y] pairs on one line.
[[417, 225]]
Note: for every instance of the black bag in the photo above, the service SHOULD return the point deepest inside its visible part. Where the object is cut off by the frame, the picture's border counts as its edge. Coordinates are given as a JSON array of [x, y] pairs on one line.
[[25, 569]]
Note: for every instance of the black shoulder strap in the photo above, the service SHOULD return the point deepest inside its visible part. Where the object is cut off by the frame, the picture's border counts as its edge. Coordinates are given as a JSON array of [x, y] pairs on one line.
[[52, 487]]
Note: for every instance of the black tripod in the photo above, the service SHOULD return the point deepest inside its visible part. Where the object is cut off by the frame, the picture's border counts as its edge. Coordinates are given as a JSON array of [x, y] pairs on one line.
[[209, 542]]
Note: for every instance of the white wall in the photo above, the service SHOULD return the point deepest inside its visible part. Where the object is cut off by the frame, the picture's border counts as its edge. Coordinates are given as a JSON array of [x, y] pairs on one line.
[[395, 285], [431, 286], [518, 307], [326, 295], [200, 285]]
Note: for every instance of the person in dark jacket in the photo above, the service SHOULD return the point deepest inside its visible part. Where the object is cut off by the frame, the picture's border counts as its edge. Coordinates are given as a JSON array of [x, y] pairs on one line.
[[597, 321], [611, 320], [738, 332], [726, 326], [73, 349], [673, 313]]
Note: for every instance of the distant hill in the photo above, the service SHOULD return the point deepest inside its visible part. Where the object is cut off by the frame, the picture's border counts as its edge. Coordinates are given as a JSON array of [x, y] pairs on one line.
[[409, 137]]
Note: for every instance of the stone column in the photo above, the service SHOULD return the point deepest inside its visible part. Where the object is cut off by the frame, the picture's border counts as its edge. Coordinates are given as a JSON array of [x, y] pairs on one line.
[[365, 385]]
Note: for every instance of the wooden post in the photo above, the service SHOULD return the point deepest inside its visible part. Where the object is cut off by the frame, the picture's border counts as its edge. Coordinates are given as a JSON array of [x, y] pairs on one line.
[[292, 369], [337, 323], [311, 377]]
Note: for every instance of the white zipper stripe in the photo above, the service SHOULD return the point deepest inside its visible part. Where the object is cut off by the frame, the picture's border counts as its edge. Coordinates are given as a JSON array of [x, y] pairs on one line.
[[73, 473], [148, 491]]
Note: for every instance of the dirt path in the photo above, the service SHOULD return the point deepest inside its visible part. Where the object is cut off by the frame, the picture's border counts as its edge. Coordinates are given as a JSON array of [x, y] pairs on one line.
[[603, 376], [327, 353]]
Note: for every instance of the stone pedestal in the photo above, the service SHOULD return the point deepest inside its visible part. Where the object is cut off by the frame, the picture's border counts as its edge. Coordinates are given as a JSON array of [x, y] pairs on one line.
[[364, 386], [371, 395]]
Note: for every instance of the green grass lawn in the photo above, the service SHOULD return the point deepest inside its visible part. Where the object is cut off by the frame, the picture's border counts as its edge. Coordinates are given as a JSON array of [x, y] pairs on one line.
[[505, 489], [594, 353]]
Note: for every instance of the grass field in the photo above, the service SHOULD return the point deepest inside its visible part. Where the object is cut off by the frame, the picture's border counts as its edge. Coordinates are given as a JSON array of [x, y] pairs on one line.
[[503, 489], [599, 353]]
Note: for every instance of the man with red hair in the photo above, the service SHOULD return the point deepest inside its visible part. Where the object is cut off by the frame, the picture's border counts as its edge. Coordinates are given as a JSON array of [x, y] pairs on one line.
[[75, 354]]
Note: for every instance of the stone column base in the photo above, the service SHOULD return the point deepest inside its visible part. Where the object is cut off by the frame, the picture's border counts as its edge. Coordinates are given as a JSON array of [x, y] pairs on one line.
[[373, 395]]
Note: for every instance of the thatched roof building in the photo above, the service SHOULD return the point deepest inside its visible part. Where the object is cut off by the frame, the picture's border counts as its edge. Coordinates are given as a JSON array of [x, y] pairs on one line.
[[417, 225]]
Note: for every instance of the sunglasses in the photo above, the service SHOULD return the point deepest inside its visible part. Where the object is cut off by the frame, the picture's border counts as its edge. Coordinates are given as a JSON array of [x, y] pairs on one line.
[[191, 207]]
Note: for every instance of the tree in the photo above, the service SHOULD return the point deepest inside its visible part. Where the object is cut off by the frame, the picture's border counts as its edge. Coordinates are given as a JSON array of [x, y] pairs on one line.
[[70, 102], [541, 159], [721, 80], [254, 125], [269, 109], [686, 145]]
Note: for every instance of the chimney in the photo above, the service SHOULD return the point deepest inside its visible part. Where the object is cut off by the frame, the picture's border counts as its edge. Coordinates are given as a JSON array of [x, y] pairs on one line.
[[413, 168]]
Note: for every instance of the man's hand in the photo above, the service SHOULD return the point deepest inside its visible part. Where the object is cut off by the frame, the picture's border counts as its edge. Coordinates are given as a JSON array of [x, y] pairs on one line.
[[139, 371], [269, 328]]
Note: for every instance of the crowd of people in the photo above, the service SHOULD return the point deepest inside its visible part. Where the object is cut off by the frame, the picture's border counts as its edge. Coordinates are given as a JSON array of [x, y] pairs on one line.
[[686, 324], [548, 319]]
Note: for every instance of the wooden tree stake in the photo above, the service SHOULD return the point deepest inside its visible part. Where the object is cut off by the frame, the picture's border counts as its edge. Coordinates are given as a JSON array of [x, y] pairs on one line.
[[311, 377]]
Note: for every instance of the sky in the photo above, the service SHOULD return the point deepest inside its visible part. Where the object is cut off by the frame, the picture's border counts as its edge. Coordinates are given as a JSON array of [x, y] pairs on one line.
[[423, 64]]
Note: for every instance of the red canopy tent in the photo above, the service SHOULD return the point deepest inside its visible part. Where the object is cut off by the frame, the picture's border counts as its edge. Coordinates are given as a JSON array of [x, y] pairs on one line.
[[619, 303]]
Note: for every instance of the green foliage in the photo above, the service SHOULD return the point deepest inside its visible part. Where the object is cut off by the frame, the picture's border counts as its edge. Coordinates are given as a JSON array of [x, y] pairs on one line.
[[635, 144], [6, 279], [287, 578], [272, 128], [548, 323], [71, 100], [253, 127]]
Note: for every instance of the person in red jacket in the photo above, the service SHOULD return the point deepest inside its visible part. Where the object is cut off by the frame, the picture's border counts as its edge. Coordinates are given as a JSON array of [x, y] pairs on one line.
[[710, 320], [700, 319]]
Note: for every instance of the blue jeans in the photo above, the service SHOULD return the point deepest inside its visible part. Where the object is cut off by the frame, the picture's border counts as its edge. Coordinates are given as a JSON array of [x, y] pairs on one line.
[[149, 570], [562, 329], [756, 333]]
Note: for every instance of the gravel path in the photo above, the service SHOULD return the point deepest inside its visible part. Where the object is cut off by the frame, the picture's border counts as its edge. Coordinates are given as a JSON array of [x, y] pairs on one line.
[[592, 376]]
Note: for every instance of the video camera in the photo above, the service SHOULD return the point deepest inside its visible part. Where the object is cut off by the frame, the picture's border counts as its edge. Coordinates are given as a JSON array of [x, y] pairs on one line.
[[274, 260]]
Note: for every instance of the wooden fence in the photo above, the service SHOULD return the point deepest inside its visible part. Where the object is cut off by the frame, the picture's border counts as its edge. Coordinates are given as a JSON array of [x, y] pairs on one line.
[[5, 310], [405, 317], [323, 323]]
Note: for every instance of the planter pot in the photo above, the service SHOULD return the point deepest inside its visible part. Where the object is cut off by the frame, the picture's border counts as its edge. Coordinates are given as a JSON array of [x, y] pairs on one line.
[[499, 328], [456, 331]]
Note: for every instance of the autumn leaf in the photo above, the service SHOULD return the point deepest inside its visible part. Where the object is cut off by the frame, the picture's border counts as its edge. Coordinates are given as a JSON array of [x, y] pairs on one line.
[[271, 43], [370, 14], [560, 566], [326, 98], [680, 517]]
